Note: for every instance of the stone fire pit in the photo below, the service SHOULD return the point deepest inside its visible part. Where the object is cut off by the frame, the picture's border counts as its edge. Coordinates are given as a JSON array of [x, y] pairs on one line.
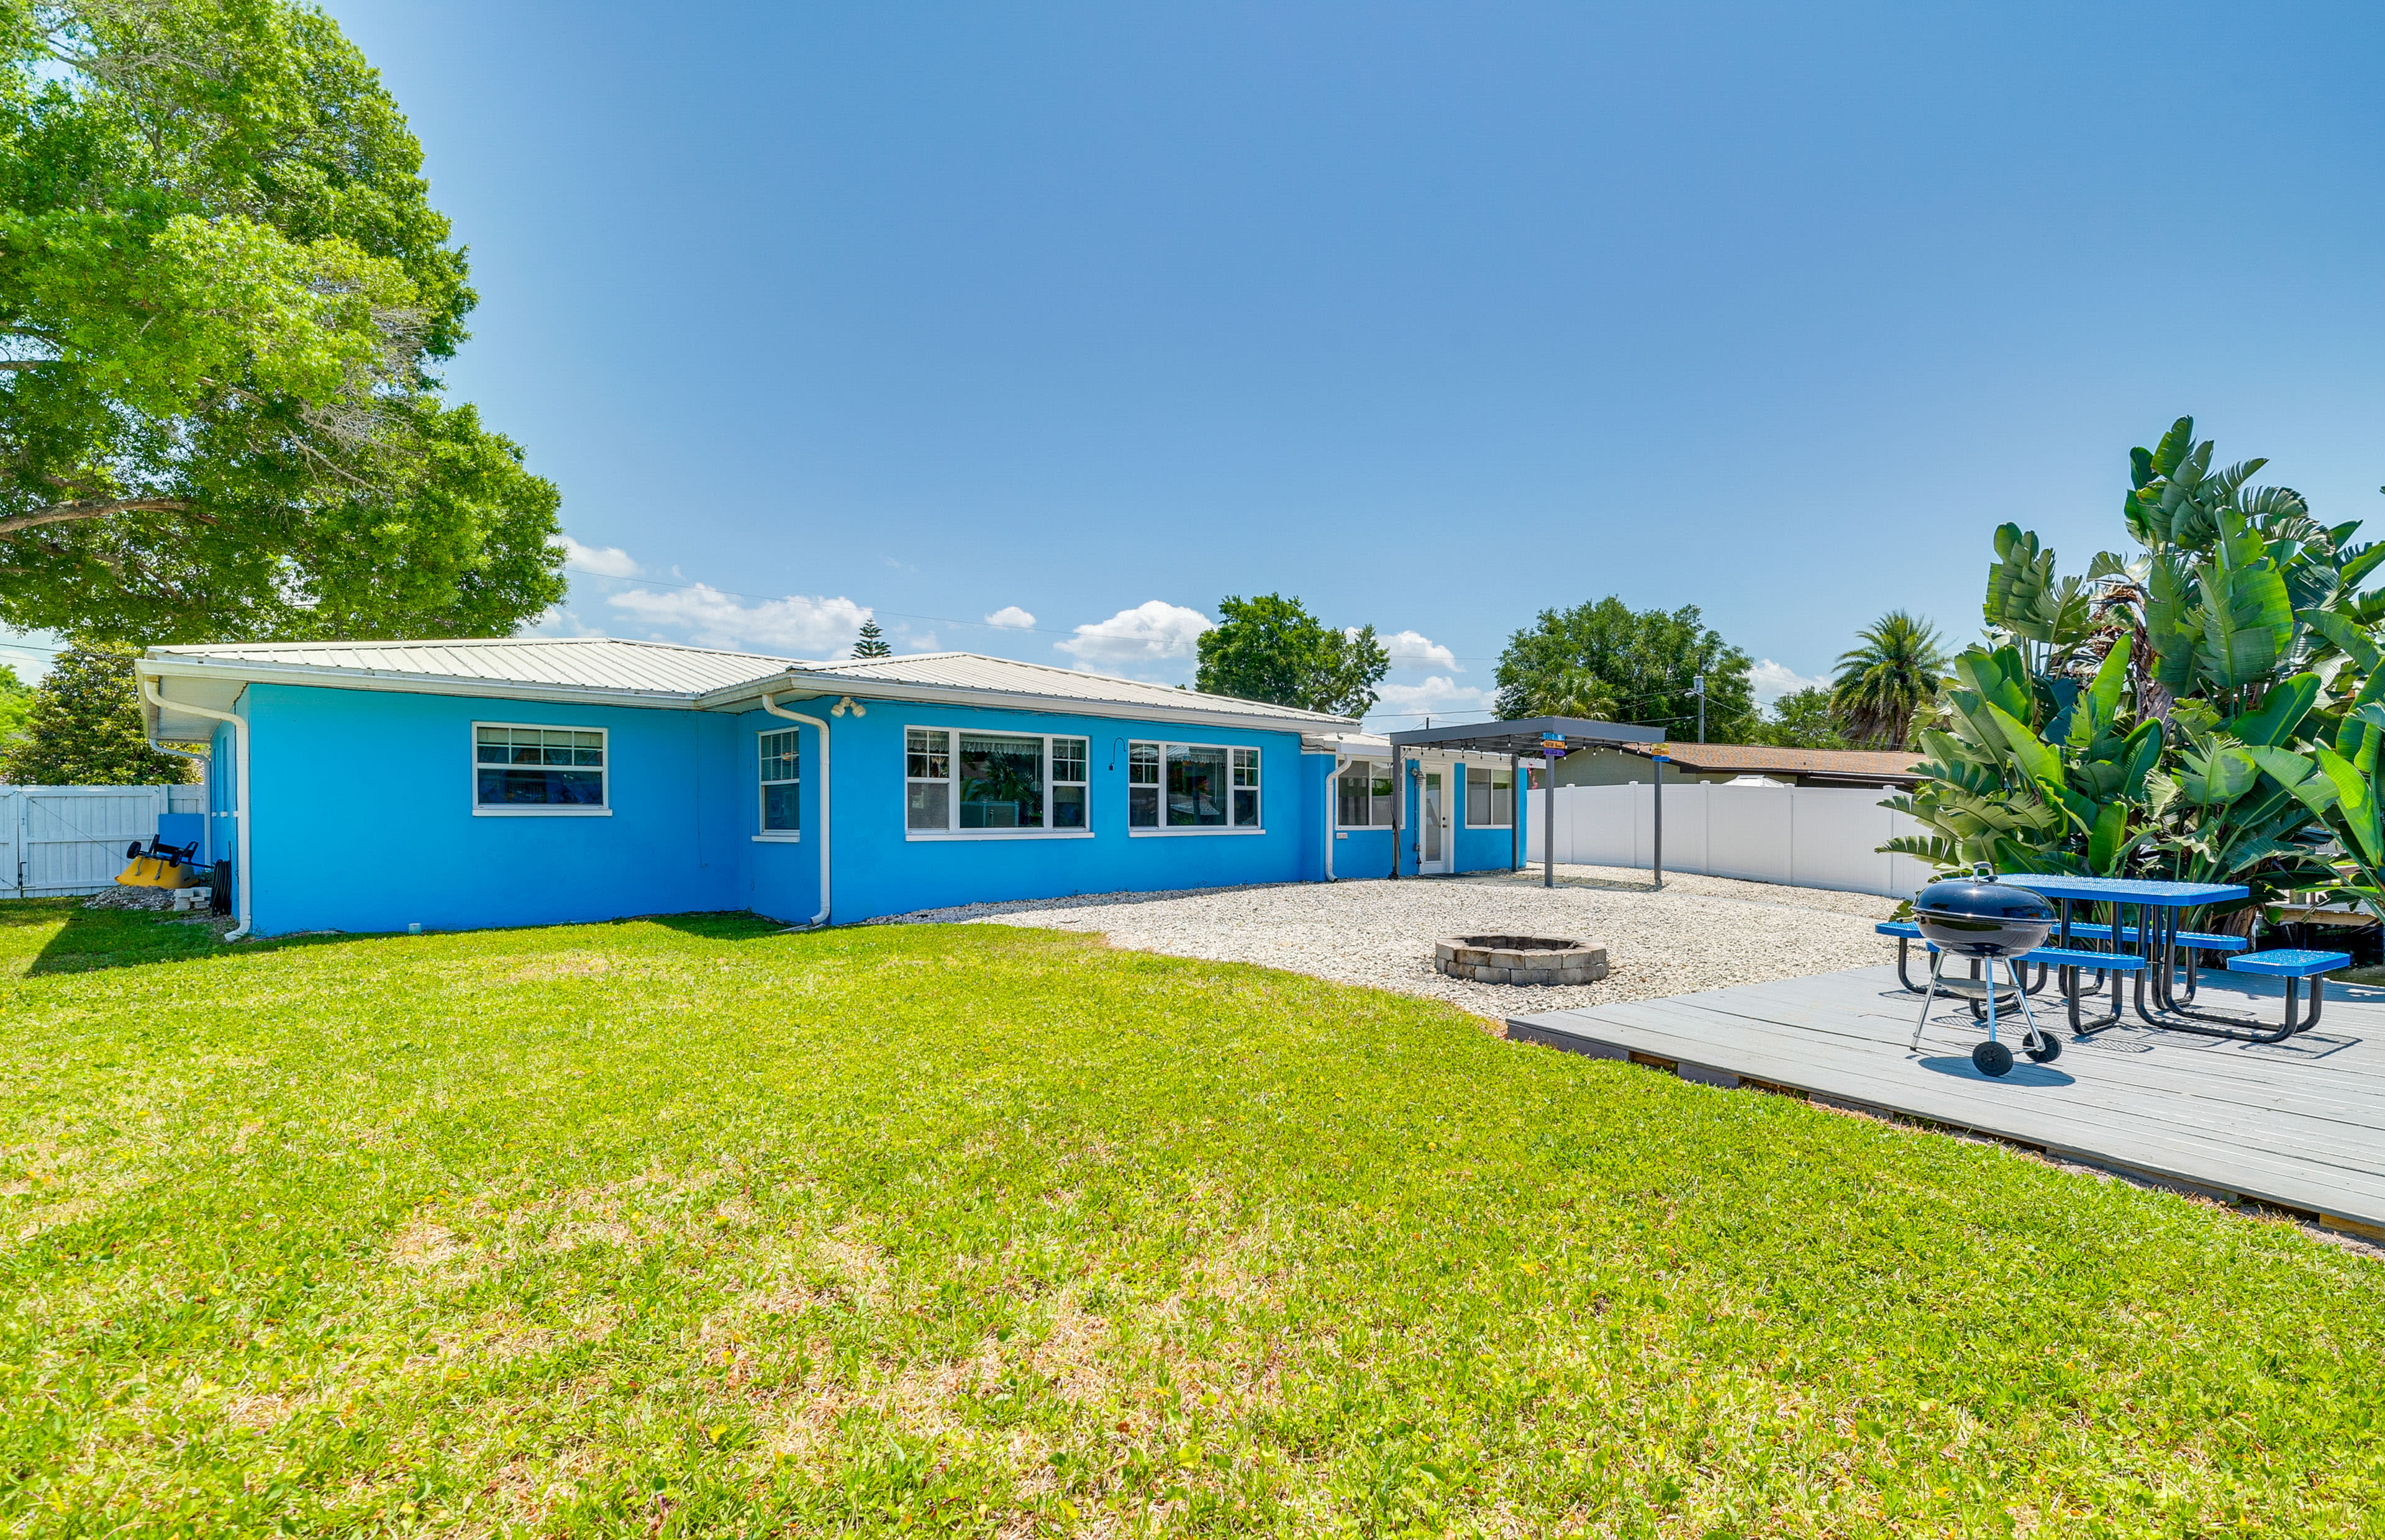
[[1521, 959]]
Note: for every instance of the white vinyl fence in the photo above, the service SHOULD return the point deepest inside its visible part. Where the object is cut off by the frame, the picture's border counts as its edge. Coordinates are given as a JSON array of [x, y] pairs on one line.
[[1805, 836], [72, 838]]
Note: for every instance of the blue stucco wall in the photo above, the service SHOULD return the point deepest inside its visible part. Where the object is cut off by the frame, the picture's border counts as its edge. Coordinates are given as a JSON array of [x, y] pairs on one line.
[[881, 869], [223, 828], [362, 816], [1474, 850]]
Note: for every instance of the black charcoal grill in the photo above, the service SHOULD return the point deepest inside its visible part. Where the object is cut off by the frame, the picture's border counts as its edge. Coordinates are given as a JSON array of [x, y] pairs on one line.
[[1987, 920], [1978, 916]]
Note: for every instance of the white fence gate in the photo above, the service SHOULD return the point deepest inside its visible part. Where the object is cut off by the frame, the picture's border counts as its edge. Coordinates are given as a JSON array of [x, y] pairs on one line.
[[1805, 836], [72, 838]]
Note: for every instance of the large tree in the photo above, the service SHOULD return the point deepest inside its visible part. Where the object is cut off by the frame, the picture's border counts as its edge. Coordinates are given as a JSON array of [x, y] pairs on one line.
[[16, 699], [84, 728], [1272, 649], [1801, 719], [1644, 663], [222, 291]]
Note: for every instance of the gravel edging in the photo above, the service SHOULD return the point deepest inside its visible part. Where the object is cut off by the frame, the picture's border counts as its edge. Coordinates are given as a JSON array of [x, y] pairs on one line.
[[1698, 933]]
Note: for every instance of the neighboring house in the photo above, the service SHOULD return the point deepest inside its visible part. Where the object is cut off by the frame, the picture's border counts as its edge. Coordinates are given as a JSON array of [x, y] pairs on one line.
[[374, 785], [1724, 762]]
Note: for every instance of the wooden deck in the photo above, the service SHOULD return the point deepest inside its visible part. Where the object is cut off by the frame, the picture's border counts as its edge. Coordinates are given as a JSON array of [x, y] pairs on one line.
[[2297, 1125]]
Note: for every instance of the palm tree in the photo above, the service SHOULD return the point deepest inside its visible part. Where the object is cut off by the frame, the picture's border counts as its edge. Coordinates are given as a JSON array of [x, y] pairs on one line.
[[1884, 683]]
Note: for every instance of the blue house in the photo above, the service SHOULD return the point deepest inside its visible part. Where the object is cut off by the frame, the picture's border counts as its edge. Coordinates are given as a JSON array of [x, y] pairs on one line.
[[450, 785]]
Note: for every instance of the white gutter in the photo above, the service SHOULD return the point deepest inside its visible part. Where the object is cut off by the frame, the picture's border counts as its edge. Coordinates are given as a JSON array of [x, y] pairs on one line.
[[770, 704], [249, 671], [821, 682], [241, 883]]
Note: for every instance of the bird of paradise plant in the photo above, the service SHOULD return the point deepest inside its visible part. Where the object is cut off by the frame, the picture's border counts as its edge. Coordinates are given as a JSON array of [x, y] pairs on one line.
[[2199, 711]]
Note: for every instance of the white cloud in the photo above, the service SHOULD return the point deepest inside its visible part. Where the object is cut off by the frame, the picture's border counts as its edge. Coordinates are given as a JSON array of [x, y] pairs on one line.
[[557, 621], [923, 641], [806, 625], [1772, 681], [1438, 696], [1151, 632], [1010, 617], [1415, 649], [604, 561], [29, 653]]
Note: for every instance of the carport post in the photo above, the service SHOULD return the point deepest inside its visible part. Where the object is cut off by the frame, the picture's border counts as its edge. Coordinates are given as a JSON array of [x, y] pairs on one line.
[[1551, 747], [1660, 822], [1516, 805]]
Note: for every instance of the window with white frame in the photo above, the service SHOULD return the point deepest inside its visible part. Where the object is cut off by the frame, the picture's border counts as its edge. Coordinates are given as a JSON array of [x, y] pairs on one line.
[[959, 782], [517, 768], [1489, 799], [1363, 795], [1191, 786], [783, 766]]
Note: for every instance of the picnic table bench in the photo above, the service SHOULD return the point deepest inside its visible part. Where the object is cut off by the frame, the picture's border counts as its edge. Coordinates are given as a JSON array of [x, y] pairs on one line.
[[2153, 950]]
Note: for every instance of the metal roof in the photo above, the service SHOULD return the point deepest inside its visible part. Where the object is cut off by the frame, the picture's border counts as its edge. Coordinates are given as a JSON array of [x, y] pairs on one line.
[[1867, 764], [665, 674], [584, 663], [1071, 688], [1525, 735]]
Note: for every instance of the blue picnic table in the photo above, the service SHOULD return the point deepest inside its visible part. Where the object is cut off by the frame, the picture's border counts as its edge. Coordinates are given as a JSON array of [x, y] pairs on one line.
[[2155, 940]]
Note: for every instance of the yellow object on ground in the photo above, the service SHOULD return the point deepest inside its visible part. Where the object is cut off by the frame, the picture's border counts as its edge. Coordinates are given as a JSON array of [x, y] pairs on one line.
[[156, 872]]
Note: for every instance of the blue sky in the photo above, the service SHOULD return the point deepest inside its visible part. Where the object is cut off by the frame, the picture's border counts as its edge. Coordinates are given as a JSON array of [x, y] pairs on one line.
[[1432, 316]]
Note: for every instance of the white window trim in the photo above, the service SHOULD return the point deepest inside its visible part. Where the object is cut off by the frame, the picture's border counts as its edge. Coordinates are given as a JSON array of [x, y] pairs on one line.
[[1334, 797], [1196, 830], [1466, 801], [952, 787], [520, 810], [762, 790]]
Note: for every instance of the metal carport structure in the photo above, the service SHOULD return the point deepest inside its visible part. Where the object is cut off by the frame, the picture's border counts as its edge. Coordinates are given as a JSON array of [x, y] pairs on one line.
[[1548, 737]]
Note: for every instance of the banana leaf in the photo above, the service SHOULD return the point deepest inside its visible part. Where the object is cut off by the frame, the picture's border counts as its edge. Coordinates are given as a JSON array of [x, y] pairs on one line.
[[2355, 803], [2038, 762], [1998, 677], [2107, 844], [2171, 624], [2346, 638], [2247, 621], [2218, 775], [2299, 774], [2280, 713]]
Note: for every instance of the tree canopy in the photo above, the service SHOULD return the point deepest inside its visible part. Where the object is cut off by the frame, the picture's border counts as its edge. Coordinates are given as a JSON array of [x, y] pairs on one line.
[[1272, 649], [1801, 719], [1642, 663], [222, 291], [16, 699], [84, 728]]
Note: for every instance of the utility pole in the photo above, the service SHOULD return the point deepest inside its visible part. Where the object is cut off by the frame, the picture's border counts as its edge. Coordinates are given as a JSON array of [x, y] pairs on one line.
[[1702, 708]]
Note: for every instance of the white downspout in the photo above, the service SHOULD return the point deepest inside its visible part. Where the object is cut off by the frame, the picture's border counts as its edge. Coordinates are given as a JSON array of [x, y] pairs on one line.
[[1334, 812], [770, 704], [242, 880]]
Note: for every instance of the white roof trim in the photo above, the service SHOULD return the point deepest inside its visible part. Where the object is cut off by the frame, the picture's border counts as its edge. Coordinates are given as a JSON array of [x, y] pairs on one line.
[[252, 672], [796, 680]]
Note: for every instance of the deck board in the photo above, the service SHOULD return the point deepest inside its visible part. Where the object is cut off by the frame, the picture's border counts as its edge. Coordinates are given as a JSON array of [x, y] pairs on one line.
[[2299, 1124]]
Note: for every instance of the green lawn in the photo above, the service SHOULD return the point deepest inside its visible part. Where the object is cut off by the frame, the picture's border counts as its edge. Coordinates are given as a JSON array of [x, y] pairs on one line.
[[686, 1226]]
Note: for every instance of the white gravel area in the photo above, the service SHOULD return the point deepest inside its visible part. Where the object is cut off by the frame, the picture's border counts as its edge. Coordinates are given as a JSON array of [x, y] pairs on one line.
[[1699, 933]]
